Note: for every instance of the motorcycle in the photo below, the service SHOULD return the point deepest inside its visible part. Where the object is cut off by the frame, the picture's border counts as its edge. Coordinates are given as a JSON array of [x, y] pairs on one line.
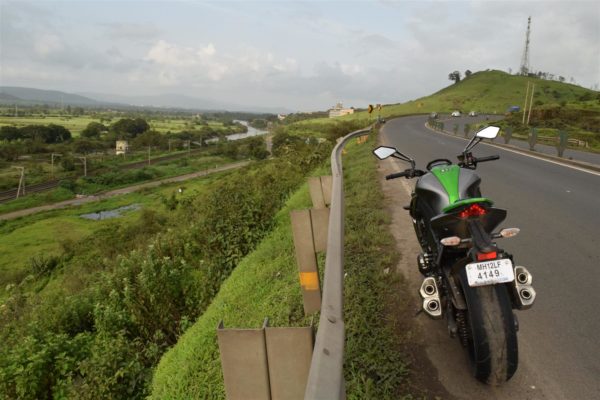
[[468, 279]]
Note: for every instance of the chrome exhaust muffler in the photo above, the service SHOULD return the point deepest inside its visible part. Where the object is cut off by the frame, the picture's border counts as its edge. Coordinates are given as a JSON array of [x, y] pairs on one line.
[[523, 290], [430, 294]]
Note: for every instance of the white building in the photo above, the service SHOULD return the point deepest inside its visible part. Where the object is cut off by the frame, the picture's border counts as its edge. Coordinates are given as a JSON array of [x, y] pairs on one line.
[[339, 110], [122, 147]]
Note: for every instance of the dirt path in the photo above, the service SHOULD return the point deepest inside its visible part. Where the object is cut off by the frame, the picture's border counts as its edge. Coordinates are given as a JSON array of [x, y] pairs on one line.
[[117, 192], [447, 363]]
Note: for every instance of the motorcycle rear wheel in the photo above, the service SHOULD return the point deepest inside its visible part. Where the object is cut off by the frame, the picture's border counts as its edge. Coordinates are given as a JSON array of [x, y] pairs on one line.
[[492, 343]]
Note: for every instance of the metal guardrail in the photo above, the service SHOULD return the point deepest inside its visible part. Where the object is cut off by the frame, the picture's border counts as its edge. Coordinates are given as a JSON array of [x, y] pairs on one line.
[[326, 377]]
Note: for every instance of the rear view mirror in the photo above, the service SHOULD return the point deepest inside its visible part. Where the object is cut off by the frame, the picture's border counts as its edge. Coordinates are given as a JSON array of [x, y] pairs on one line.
[[384, 152], [488, 133]]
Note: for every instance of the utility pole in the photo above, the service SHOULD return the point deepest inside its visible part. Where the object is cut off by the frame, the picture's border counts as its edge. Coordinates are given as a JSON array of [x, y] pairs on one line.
[[21, 181], [189, 146], [84, 159], [148, 155], [525, 106], [530, 102], [54, 155], [169, 145]]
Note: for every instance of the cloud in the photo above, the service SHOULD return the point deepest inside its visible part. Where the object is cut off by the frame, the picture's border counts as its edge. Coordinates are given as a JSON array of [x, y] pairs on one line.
[[132, 31], [47, 44]]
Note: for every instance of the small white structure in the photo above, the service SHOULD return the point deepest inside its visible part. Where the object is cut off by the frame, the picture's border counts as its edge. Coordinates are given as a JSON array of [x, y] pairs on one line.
[[122, 147], [339, 110]]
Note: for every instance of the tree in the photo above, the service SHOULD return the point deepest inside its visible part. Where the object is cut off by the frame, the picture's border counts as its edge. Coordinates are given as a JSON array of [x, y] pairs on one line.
[[128, 128], [454, 76], [150, 138], [93, 129], [10, 133], [468, 73], [84, 146]]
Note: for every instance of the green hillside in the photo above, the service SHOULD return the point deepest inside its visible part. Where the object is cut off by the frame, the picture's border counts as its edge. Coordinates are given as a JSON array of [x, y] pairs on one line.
[[556, 105], [494, 92]]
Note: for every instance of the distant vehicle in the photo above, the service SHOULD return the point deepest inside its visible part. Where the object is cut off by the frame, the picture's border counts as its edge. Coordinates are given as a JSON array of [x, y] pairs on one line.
[[473, 114], [456, 113], [514, 109], [433, 115]]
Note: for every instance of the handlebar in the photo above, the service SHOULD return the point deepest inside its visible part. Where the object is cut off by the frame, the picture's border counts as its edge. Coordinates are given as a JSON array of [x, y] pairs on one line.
[[408, 173], [468, 161], [484, 159]]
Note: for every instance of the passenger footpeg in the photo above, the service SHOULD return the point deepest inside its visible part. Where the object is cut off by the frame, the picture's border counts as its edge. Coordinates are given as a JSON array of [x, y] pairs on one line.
[[430, 294]]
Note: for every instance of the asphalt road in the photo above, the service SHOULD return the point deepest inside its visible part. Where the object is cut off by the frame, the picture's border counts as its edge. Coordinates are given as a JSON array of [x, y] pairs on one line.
[[570, 153], [557, 209]]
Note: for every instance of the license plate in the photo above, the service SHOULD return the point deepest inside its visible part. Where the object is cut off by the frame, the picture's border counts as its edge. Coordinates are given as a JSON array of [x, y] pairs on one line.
[[490, 272]]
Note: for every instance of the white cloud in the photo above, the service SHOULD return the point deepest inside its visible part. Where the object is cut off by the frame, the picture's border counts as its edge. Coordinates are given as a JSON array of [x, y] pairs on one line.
[[47, 44]]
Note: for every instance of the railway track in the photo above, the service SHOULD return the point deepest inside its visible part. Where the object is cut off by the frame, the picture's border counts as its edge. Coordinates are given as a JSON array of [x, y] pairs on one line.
[[9, 195]]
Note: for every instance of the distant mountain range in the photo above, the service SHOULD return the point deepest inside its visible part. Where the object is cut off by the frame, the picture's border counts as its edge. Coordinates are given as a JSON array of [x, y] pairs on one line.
[[31, 96]]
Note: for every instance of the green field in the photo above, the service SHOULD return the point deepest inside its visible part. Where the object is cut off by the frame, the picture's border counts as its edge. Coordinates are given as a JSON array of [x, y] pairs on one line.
[[76, 124], [42, 234]]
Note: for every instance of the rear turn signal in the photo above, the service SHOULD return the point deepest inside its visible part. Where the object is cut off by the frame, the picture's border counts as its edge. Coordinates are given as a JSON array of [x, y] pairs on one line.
[[509, 232], [474, 210], [486, 256], [450, 241]]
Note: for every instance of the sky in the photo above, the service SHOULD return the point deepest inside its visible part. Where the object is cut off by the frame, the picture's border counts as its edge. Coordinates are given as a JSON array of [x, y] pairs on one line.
[[303, 56]]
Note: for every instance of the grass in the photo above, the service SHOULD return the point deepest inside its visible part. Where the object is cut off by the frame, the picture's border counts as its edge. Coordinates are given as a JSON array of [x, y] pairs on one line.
[[265, 284], [42, 233]]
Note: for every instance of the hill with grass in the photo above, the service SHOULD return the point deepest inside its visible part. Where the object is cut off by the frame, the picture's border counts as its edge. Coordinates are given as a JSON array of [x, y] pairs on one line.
[[556, 105]]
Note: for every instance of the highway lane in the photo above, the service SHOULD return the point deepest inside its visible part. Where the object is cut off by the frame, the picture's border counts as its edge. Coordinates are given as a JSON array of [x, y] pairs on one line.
[[557, 210], [570, 153]]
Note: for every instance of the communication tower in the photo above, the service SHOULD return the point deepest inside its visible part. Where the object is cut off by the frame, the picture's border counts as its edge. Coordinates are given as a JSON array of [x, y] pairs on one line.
[[525, 59]]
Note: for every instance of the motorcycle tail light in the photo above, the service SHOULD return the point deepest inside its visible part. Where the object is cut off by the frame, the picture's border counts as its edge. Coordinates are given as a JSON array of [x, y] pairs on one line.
[[474, 210], [486, 256]]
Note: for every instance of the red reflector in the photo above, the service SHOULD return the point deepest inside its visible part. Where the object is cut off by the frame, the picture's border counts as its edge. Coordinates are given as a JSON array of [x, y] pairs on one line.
[[486, 256], [474, 210]]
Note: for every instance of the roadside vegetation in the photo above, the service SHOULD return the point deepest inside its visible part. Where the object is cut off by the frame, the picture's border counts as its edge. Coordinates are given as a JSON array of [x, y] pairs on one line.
[[91, 317], [375, 366]]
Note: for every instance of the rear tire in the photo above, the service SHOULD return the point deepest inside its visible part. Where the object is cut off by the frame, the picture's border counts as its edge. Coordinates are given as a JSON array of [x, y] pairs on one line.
[[492, 345]]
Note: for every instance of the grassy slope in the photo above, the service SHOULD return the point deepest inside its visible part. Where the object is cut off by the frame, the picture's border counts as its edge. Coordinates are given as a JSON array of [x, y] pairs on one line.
[[487, 92], [265, 285]]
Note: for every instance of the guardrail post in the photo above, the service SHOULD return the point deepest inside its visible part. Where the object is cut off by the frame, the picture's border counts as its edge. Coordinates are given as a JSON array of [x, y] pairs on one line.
[[532, 139], [289, 352], [244, 363], [562, 143], [267, 363], [507, 134], [306, 258]]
